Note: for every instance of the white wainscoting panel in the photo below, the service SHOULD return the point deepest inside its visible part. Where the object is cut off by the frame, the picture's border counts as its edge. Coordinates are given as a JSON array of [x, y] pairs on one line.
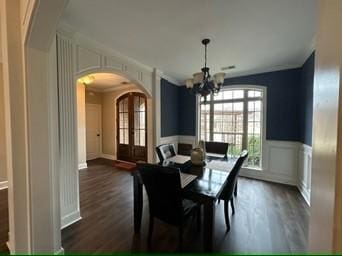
[[187, 140], [69, 184], [304, 171], [279, 163]]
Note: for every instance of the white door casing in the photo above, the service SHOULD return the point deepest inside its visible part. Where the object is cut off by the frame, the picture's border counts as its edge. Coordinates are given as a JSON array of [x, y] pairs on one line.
[[93, 131]]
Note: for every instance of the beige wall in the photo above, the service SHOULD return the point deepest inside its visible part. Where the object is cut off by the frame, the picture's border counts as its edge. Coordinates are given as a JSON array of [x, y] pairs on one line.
[[81, 124], [325, 234], [93, 97], [108, 120], [3, 170]]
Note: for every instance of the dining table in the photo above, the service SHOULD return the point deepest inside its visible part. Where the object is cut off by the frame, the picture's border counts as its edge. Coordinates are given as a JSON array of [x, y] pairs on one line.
[[204, 189]]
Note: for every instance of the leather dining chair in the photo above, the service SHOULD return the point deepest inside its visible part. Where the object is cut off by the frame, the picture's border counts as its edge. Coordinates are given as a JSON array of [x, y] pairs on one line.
[[217, 149], [165, 151], [229, 187], [163, 187]]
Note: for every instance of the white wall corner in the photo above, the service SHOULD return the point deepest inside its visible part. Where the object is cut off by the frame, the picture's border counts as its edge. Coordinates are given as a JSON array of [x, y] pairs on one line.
[[70, 219], [82, 166], [172, 80], [3, 185]]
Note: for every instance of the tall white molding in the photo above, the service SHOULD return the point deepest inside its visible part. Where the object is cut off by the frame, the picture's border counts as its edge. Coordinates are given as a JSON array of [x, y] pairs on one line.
[[156, 107], [69, 183]]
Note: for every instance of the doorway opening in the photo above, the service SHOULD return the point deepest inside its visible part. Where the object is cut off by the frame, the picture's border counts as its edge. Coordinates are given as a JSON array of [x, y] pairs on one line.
[[113, 119], [132, 127]]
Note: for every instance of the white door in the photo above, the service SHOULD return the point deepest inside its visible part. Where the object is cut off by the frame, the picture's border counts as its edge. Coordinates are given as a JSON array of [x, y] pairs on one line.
[[93, 130]]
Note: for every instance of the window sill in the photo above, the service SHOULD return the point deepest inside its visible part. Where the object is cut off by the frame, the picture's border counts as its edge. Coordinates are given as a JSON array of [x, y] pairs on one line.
[[249, 168]]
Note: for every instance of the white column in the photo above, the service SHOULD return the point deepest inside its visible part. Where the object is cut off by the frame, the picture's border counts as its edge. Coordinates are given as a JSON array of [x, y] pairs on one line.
[[70, 206], [325, 234], [15, 126]]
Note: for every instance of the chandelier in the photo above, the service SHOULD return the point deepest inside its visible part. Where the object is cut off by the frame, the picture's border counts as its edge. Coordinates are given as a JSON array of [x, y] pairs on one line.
[[202, 83]]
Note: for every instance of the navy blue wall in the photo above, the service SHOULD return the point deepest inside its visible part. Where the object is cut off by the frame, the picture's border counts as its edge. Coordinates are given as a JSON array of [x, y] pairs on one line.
[[289, 104], [282, 101], [169, 105], [187, 112], [306, 100]]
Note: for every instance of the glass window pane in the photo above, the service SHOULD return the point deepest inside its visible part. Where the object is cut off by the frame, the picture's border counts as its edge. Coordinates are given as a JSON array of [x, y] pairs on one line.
[[142, 138], [238, 106], [125, 105], [218, 96], [227, 95], [238, 94], [228, 121], [258, 105], [142, 120]]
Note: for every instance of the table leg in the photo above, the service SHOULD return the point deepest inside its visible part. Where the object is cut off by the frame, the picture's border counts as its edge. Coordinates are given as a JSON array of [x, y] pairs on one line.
[[138, 203], [209, 222]]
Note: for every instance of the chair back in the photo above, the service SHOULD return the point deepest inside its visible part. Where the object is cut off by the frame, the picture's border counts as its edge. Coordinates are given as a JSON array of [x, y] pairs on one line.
[[163, 187], [184, 149], [229, 186], [165, 151], [220, 148]]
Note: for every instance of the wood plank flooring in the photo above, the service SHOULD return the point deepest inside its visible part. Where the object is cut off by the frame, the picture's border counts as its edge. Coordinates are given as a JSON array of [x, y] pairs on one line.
[[269, 218], [3, 220]]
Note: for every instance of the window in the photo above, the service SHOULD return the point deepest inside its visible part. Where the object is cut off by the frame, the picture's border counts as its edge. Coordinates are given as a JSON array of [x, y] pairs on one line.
[[234, 116]]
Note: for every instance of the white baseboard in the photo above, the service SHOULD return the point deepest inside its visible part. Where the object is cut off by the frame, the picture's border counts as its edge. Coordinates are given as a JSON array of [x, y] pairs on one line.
[[9, 246], [107, 156], [267, 176], [60, 251], [3, 185], [305, 192], [82, 166], [70, 219]]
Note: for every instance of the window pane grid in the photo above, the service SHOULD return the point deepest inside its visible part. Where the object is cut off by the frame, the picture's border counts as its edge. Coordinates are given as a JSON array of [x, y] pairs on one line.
[[236, 116]]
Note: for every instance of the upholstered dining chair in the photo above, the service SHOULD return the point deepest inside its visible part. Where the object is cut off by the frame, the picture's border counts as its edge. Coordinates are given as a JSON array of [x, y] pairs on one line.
[[165, 151], [217, 149], [163, 187], [229, 187]]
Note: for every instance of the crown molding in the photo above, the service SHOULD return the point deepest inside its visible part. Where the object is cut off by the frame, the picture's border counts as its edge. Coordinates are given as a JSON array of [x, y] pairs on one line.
[[171, 79], [309, 50]]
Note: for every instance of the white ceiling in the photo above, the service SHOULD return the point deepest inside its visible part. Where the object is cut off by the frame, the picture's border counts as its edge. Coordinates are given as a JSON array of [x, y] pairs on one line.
[[256, 36], [108, 82]]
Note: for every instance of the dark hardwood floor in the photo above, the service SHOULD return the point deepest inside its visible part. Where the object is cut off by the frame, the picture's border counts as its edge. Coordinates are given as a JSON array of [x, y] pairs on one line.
[[269, 218], [3, 220]]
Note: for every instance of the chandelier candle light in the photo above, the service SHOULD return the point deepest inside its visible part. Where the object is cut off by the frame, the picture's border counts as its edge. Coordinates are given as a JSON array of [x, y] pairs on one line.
[[201, 83]]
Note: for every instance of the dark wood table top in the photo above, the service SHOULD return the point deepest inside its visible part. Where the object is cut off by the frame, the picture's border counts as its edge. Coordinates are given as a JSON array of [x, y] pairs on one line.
[[210, 181]]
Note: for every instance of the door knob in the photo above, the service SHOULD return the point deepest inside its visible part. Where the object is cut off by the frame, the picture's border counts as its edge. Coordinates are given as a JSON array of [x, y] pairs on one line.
[[98, 135]]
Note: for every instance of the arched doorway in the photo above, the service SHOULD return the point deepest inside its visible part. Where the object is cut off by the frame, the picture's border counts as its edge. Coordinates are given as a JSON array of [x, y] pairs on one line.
[[132, 127]]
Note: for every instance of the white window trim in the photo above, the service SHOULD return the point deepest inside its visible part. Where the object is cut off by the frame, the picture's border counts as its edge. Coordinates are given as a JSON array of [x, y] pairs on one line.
[[263, 117]]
